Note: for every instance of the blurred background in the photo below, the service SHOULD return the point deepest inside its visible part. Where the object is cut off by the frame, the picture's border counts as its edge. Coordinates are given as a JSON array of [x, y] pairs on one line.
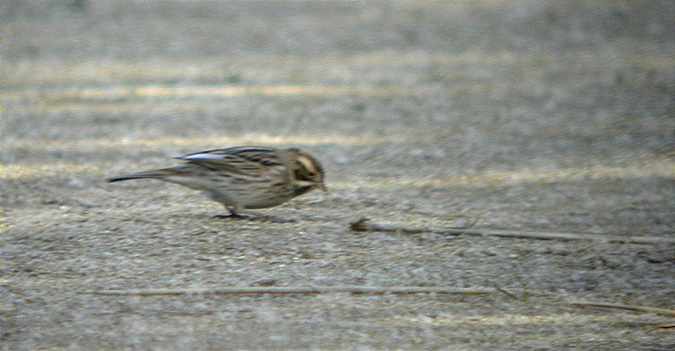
[[524, 114]]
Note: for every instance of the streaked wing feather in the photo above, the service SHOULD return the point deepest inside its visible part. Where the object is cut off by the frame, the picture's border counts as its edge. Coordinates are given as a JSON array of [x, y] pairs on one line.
[[244, 160]]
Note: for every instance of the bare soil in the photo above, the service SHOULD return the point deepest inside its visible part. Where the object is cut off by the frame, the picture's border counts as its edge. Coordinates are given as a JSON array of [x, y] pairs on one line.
[[536, 115]]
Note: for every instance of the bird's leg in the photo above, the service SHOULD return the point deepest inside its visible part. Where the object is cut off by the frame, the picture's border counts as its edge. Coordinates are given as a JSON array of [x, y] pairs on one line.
[[234, 214]]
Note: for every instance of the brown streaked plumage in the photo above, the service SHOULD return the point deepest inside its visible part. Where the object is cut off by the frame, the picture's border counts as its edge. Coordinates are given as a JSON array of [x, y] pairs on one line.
[[243, 177]]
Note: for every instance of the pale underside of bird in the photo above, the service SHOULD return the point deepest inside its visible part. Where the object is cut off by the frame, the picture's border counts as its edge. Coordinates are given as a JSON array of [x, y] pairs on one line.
[[243, 177]]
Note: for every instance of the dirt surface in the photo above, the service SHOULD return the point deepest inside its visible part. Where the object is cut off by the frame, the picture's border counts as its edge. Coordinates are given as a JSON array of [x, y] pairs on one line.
[[528, 115]]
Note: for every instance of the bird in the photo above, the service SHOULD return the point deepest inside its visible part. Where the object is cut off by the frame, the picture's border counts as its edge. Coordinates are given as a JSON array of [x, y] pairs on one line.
[[243, 177]]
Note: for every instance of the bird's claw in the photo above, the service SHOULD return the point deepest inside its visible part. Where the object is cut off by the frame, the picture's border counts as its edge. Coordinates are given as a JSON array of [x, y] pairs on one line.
[[233, 217]]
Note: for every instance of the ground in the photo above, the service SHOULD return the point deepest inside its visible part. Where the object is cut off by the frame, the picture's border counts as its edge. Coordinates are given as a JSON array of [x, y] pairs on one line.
[[530, 115]]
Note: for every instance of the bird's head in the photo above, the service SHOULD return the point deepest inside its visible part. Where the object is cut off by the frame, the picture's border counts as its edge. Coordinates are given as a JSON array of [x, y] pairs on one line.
[[306, 170]]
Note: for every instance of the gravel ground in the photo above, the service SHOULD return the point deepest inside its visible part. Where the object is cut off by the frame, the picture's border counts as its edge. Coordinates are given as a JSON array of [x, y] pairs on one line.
[[535, 115]]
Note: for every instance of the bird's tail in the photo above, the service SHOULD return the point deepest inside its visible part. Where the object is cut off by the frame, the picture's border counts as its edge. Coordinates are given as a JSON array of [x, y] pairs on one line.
[[153, 174]]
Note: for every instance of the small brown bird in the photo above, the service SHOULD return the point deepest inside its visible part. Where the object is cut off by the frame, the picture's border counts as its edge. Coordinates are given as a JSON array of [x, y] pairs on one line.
[[243, 177]]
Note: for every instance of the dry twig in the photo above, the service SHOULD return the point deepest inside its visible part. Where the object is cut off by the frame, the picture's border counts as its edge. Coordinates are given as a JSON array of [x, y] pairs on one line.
[[364, 225], [261, 290], [658, 311], [665, 327]]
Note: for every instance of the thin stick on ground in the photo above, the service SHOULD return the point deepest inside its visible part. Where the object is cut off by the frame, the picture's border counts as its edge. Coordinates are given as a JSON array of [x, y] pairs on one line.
[[364, 225], [298, 290], [665, 327], [506, 292], [658, 311]]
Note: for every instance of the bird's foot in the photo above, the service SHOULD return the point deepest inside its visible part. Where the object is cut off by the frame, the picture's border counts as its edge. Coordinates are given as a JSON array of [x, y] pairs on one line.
[[234, 216], [261, 218]]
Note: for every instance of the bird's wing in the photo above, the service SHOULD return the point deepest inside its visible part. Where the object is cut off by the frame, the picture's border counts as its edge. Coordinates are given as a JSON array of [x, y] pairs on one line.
[[243, 160]]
